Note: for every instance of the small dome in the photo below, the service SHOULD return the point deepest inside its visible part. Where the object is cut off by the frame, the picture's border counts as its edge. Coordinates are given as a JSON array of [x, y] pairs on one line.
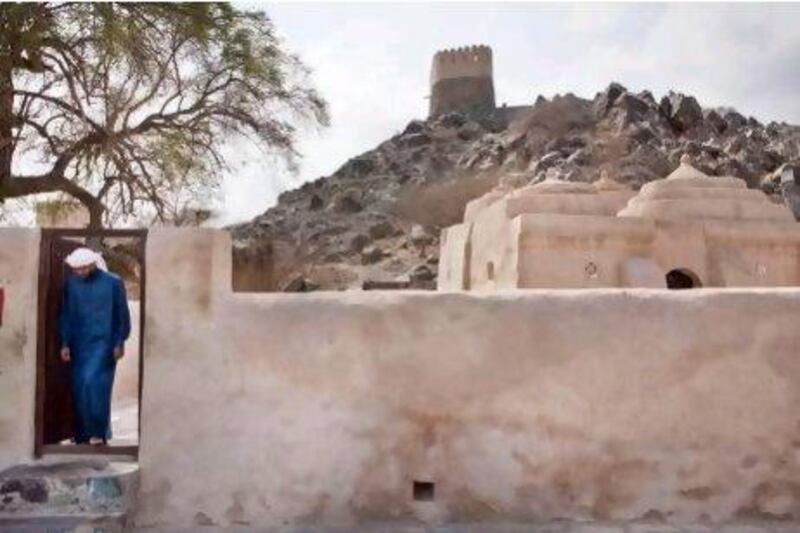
[[686, 171], [555, 186], [560, 197], [689, 194], [606, 183]]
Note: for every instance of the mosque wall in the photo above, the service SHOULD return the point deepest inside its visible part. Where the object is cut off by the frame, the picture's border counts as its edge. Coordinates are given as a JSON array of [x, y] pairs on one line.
[[325, 408], [454, 258], [19, 269], [759, 255], [558, 234], [493, 255], [557, 251]]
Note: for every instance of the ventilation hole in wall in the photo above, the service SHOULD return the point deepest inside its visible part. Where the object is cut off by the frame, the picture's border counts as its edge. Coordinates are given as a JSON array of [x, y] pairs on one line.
[[490, 271], [682, 278], [591, 270], [424, 491]]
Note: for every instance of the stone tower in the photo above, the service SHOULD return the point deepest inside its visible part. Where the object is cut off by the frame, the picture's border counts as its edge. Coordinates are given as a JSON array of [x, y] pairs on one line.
[[461, 80]]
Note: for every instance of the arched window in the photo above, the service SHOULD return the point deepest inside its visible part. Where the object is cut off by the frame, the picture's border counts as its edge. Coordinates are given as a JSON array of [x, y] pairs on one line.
[[490, 271], [682, 278]]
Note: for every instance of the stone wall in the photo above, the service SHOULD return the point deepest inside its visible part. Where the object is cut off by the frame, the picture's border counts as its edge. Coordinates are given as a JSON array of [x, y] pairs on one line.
[[464, 62], [324, 409], [19, 268], [461, 80]]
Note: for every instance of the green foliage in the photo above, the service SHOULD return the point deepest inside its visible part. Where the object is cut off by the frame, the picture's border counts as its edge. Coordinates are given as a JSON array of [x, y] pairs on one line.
[[132, 102]]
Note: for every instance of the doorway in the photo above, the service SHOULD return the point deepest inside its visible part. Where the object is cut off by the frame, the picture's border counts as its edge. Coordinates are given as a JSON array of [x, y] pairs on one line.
[[124, 253]]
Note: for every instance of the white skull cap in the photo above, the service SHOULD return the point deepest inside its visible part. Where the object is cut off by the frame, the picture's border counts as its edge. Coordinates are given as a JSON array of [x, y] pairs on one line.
[[83, 257]]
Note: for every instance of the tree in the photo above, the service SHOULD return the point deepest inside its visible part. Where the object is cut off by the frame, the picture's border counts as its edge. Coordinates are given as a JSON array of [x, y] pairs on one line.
[[128, 106]]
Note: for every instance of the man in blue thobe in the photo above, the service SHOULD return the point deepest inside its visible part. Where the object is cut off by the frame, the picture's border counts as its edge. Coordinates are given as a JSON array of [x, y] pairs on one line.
[[94, 325]]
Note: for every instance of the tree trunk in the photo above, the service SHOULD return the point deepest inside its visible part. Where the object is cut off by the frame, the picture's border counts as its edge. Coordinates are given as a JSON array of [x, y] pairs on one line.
[[6, 115], [95, 215]]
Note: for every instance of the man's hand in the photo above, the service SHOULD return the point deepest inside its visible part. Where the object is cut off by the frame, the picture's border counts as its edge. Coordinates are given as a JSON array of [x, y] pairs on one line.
[[65, 354], [119, 352]]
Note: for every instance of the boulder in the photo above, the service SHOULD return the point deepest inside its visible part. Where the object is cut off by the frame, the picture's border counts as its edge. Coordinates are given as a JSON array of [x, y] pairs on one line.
[[546, 161], [682, 111], [630, 109], [300, 284], [647, 96], [381, 230], [470, 131], [357, 167], [345, 202], [413, 140], [642, 132], [371, 255], [422, 272], [315, 203], [451, 120], [580, 157], [605, 100], [565, 145], [422, 277], [358, 242], [420, 236], [716, 121], [735, 120], [415, 126]]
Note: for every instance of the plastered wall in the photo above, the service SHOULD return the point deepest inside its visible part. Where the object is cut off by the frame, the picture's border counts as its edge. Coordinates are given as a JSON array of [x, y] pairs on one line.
[[554, 251], [19, 254], [323, 409]]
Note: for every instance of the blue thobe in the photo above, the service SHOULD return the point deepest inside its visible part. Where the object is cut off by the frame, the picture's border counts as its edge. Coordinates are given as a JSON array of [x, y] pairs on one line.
[[94, 320]]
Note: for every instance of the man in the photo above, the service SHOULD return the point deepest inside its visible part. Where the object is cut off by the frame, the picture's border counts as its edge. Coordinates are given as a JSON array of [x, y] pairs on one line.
[[94, 325]]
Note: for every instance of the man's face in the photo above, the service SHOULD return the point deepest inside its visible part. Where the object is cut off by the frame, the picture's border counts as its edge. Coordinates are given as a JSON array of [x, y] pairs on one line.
[[83, 272]]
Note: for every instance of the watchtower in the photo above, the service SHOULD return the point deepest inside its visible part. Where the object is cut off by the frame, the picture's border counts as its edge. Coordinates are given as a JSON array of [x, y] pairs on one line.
[[461, 80]]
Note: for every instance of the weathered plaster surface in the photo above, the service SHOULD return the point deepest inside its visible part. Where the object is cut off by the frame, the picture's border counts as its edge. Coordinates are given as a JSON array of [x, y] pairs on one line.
[[126, 378], [19, 254], [558, 234], [322, 409]]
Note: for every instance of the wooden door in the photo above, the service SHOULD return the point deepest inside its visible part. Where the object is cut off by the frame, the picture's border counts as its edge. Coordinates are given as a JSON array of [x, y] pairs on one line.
[[58, 417], [54, 416]]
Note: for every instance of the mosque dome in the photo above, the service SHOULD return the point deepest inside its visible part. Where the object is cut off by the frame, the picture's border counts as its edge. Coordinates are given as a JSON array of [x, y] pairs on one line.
[[606, 183], [554, 186], [689, 194], [560, 197]]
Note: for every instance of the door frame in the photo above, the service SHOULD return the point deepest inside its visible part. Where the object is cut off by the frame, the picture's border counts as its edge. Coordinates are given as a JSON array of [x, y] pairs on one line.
[[47, 237]]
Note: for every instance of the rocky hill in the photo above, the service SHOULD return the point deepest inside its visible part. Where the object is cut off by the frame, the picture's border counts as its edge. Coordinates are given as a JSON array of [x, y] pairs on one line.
[[376, 220]]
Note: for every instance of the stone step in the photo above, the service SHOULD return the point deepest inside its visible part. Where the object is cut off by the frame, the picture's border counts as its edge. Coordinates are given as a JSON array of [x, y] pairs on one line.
[[84, 523], [68, 495]]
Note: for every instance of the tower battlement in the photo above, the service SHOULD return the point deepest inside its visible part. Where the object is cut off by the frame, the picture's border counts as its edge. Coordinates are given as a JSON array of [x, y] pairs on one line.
[[461, 80], [464, 62]]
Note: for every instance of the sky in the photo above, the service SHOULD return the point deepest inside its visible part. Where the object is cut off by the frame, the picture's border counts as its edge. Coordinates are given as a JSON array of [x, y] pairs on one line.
[[371, 62]]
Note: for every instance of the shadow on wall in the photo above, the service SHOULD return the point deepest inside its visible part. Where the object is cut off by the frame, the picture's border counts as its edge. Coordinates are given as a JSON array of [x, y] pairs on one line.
[[126, 381], [125, 394]]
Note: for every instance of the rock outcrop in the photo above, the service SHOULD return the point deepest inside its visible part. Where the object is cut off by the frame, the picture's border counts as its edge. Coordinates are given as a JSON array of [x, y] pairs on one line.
[[377, 218]]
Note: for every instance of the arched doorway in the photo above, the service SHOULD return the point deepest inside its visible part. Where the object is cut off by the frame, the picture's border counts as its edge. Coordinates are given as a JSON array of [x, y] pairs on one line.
[[682, 278]]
